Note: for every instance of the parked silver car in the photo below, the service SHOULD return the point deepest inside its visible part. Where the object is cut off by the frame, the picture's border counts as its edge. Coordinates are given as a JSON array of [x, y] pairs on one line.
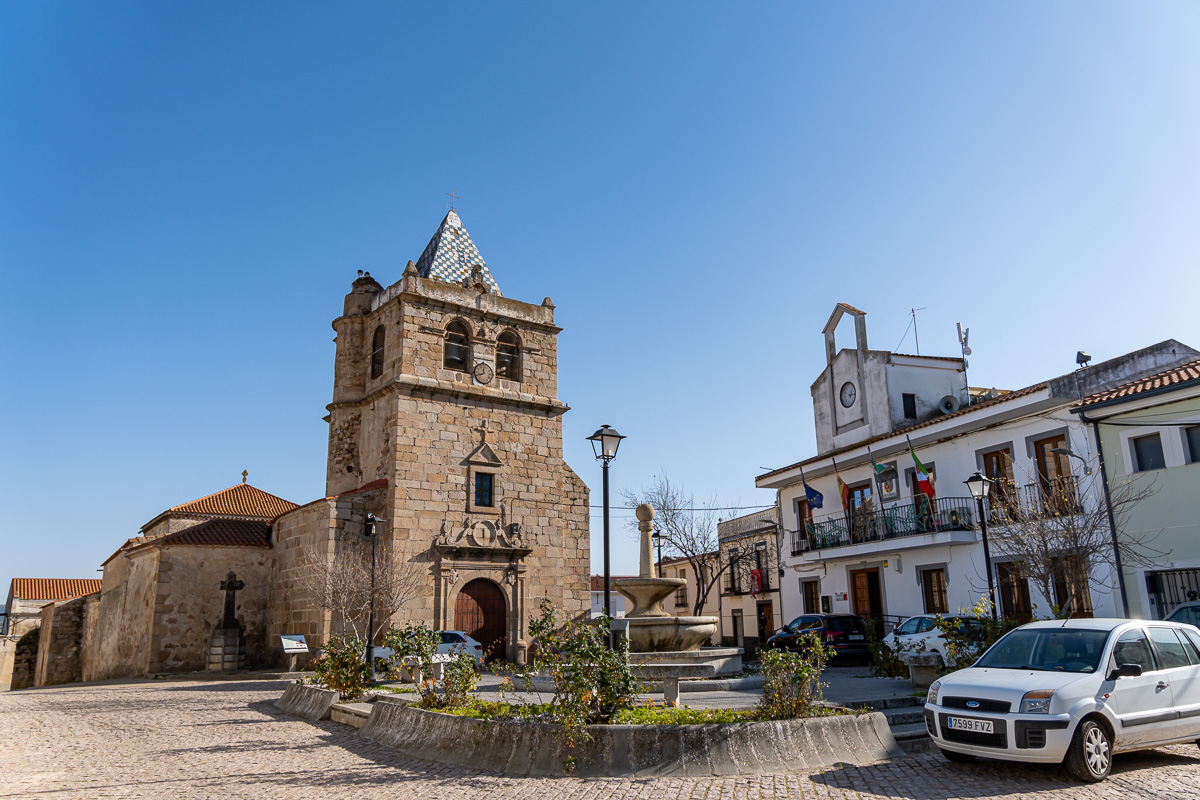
[[1073, 691]]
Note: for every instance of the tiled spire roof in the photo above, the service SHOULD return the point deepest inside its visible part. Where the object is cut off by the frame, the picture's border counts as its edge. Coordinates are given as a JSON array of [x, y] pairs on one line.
[[451, 254], [53, 588], [239, 500]]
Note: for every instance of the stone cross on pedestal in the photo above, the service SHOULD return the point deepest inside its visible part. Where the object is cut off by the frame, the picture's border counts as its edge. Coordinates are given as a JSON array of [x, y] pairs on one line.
[[227, 648], [230, 585]]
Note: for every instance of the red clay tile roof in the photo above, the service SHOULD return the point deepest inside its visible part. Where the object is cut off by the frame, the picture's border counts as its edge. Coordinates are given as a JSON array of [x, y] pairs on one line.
[[971, 409], [222, 533], [1184, 373], [53, 588], [240, 500]]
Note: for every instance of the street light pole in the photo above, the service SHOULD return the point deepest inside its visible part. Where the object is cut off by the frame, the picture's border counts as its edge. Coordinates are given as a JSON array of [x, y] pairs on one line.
[[604, 445], [369, 532], [979, 487]]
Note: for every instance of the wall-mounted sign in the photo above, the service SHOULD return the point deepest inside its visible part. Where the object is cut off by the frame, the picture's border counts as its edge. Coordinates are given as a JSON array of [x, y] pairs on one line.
[[293, 643]]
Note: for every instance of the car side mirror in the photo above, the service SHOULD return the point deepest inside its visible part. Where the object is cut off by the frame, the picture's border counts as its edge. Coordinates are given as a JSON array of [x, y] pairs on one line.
[[1125, 671]]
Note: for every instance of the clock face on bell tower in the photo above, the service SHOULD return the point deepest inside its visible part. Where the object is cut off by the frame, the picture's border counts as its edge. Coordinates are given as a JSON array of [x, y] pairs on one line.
[[848, 394]]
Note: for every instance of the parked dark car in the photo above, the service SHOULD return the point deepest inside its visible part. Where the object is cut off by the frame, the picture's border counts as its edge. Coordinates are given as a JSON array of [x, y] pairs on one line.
[[845, 634]]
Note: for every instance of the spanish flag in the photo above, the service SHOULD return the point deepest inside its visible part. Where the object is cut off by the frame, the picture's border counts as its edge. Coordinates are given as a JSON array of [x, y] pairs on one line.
[[843, 489]]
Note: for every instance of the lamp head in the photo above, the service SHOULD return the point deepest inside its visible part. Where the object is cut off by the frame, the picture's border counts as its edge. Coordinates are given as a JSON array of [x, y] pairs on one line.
[[605, 443], [979, 486]]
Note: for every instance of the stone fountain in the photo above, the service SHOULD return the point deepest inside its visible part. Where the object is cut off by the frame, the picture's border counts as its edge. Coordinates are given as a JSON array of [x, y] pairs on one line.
[[656, 637]]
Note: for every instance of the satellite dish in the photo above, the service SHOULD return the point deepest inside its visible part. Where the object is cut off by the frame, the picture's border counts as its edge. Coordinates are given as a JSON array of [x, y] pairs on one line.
[[948, 404]]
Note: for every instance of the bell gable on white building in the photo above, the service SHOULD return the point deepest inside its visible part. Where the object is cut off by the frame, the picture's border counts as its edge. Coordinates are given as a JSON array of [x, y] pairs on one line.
[[864, 393]]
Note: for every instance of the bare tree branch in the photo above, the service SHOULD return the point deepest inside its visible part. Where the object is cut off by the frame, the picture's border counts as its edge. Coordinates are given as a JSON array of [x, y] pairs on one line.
[[686, 533], [1058, 531], [341, 583]]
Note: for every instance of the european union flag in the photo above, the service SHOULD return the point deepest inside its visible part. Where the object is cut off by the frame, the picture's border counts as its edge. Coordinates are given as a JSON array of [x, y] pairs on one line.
[[815, 498]]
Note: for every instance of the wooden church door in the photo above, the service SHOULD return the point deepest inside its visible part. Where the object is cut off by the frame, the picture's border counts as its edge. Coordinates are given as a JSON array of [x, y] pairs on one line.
[[479, 612]]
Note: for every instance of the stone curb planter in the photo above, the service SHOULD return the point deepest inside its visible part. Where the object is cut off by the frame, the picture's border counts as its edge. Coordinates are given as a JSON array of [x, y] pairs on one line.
[[309, 702], [923, 670], [531, 749]]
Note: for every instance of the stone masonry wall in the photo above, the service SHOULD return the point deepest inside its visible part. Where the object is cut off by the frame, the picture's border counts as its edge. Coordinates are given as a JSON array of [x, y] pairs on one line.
[[188, 604], [8, 653], [59, 658], [120, 645], [300, 534], [24, 665]]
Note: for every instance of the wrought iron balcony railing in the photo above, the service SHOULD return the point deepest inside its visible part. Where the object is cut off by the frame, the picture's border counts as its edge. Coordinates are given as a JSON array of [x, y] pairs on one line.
[[1007, 504]]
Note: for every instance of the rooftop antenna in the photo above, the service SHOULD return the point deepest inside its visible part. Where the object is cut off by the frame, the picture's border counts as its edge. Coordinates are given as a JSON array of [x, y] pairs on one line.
[[963, 335], [916, 338]]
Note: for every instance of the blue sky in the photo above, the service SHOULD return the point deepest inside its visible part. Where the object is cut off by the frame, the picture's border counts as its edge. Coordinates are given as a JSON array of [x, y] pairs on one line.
[[187, 190]]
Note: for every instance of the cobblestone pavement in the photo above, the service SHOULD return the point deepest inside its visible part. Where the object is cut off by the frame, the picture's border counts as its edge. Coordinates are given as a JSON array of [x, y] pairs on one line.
[[180, 740]]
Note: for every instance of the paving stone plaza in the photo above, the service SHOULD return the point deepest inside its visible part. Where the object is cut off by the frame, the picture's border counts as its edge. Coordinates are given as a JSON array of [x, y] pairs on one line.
[[182, 739]]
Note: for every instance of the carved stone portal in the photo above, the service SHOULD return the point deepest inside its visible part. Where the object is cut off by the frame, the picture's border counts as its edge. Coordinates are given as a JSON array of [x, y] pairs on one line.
[[483, 549]]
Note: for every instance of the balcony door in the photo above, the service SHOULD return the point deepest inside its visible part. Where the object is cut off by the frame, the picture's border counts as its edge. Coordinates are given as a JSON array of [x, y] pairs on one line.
[[860, 512], [1055, 482], [998, 467], [1014, 591], [867, 596]]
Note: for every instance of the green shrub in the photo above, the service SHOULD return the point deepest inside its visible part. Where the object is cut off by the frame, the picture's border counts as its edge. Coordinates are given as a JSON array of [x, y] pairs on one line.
[[682, 716], [965, 644], [341, 667], [459, 680], [591, 682], [420, 642], [792, 681], [885, 662]]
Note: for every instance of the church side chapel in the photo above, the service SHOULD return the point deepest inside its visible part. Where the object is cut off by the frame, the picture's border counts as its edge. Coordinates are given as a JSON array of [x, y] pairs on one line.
[[445, 430]]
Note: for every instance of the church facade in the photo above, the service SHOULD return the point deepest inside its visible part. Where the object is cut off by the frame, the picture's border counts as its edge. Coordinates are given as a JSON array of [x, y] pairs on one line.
[[445, 426]]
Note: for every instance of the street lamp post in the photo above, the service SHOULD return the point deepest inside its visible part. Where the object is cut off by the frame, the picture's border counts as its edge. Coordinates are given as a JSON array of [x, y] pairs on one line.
[[604, 445], [980, 486], [369, 531], [658, 537]]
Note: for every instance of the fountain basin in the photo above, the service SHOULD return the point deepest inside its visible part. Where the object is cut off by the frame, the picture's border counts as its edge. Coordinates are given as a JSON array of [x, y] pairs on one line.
[[646, 594], [669, 634]]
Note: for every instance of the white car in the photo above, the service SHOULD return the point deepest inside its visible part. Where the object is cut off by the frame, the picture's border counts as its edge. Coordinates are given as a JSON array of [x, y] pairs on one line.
[[452, 643], [921, 634], [1073, 691]]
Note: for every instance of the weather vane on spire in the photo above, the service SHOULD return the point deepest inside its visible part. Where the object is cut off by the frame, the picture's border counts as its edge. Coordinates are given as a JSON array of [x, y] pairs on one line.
[[452, 197]]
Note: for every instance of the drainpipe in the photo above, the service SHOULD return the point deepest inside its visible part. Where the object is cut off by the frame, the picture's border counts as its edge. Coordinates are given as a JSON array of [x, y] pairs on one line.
[[1112, 525]]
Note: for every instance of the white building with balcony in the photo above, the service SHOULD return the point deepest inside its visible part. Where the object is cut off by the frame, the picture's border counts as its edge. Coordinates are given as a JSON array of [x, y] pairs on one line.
[[896, 552]]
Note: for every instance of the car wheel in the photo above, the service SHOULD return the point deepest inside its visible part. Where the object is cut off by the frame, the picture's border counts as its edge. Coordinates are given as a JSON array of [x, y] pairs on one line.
[[1090, 756], [958, 758]]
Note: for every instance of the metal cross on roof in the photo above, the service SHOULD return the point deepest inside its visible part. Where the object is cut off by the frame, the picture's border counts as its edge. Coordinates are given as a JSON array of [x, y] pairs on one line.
[[452, 197]]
